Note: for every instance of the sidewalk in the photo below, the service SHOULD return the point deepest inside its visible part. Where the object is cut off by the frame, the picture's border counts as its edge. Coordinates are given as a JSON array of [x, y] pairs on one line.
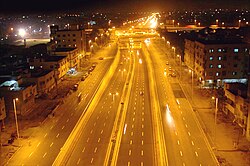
[[230, 146]]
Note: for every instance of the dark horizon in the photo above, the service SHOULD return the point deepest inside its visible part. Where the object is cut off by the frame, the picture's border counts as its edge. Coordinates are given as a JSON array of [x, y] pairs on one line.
[[52, 6]]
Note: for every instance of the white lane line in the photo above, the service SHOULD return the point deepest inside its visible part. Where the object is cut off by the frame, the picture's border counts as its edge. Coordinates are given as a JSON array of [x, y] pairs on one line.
[[44, 154], [183, 164], [181, 112], [142, 119], [129, 163], [142, 152], [181, 153], [45, 135], [135, 103], [132, 126], [186, 125], [134, 108], [88, 140], [142, 142], [132, 133], [129, 152], [83, 150], [107, 117], [142, 126], [183, 118], [38, 144], [125, 128], [71, 114], [92, 160], [51, 127], [57, 135], [95, 150], [104, 124], [196, 153], [142, 133], [192, 142], [175, 133], [94, 123], [178, 142], [51, 144], [134, 112], [131, 142], [30, 154], [78, 161], [91, 131], [99, 139], [67, 120], [97, 117], [141, 163], [133, 119], [63, 127], [142, 112], [189, 133], [101, 131]]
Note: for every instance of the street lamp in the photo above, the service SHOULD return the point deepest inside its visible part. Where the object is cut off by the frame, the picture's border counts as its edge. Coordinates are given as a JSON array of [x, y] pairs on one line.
[[22, 33], [192, 75], [14, 104], [113, 95], [215, 117]]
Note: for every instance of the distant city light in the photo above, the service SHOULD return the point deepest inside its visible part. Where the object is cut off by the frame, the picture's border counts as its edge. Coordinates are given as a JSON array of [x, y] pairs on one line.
[[21, 32]]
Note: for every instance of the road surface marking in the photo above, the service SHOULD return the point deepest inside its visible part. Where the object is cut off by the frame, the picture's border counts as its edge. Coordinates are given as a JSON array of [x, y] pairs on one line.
[[104, 102], [110, 106], [142, 133], [44, 154], [57, 135], [104, 124], [99, 139], [107, 117], [183, 164], [142, 126], [135, 103], [101, 131], [175, 133], [142, 103], [63, 127], [186, 125], [67, 120], [183, 118], [181, 112], [108, 112], [97, 117], [141, 163], [132, 133], [83, 150], [196, 153], [88, 140], [129, 163], [51, 127], [102, 106], [91, 131], [142, 152], [71, 114], [142, 119], [129, 152], [142, 142], [30, 154], [134, 108], [92, 160], [95, 150], [133, 119], [131, 142], [78, 161], [134, 112], [51, 144], [142, 112], [132, 126], [45, 135], [181, 153], [192, 142], [125, 128], [189, 133], [178, 142], [94, 123], [38, 144]]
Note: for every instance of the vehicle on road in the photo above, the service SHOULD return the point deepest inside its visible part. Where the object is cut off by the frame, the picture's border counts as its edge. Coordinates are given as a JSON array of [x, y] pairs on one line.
[[172, 74], [167, 63]]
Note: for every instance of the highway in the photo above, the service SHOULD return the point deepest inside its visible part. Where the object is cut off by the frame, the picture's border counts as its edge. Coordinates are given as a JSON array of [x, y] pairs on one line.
[[92, 144], [48, 139], [136, 146]]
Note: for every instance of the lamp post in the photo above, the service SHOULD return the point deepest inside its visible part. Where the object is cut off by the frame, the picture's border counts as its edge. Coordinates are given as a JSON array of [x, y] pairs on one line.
[[113, 95], [14, 104], [215, 117], [192, 75]]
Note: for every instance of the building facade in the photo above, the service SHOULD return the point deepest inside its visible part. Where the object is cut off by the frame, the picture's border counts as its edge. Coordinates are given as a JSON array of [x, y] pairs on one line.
[[2, 111]]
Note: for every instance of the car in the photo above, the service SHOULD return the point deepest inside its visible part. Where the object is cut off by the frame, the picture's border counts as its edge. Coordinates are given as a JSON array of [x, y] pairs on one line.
[[172, 74], [167, 63], [170, 68], [100, 58], [141, 93], [75, 87]]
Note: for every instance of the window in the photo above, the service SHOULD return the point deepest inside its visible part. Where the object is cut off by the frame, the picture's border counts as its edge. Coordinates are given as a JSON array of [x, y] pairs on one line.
[[236, 50], [219, 66], [210, 66], [58, 36], [246, 50], [224, 50], [219, 58], [211, 58], [68, 34], [211, 50], [235, 65], [74, 40], [217, 74], [32, 67], [219, 49], [74, 35], [234, 73], [64, 35], [224, 73]]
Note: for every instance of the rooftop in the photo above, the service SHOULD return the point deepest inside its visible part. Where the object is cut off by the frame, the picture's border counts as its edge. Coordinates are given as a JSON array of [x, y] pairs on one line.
[[54, 58], [39, 73], [216, 41], [64, 49]]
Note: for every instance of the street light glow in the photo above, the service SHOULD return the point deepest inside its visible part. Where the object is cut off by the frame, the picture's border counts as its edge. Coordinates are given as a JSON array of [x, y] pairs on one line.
[[21, 32]]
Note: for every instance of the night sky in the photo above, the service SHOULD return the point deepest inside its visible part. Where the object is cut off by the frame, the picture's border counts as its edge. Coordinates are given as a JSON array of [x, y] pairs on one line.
[[43, 6]]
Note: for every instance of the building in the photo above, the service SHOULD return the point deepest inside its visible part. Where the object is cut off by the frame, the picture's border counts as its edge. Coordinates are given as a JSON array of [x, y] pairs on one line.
[[59, 64], [217, 61], [2, 112], [24, 92], [237, 104], [69, 38], [44, 79]]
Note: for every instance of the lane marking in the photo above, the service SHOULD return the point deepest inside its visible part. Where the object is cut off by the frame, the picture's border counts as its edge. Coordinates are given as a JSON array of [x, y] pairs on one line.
[[78, 161], [142, 152], [91, 131], [142, 126], [95, 150], [183, 118], [142, 133], [92, 160], [133, 119], [104, 124], [186, 125], [131, 142], [132, 126], [51, 144], [181, 153], [88, 140], [31, 154], [67, 120], [45, 135], [142, 119], [38, 144], [196, 153], [101, 131], [142, 142], [175, 133], [99, 139], [83, 150], [178, 142], [94, 123], [129, 152], [57, 135], [44, 154], [192, 142], [129, 163], [132, 133], [63, 127], [141, 163], [189, 133], [125, 128], [51, 127]]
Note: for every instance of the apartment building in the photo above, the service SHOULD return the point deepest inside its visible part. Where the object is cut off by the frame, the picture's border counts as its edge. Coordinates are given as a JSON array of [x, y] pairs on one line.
[[59, 64], [217, 61], [69, 38]]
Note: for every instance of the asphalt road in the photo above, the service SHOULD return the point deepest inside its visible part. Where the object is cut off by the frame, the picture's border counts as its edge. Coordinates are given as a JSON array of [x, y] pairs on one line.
[[50, 137], [136, 146]]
